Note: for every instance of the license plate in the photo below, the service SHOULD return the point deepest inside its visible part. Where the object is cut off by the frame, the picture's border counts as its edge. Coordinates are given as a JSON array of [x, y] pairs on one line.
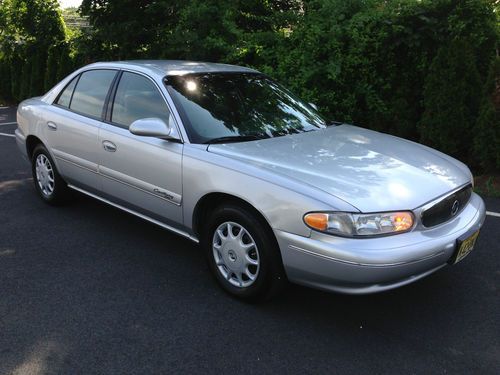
[[464, 247]]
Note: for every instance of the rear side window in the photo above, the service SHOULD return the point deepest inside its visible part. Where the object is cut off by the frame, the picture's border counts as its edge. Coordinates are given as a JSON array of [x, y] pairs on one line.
[[137, 98], [90, 92], [65, 96]]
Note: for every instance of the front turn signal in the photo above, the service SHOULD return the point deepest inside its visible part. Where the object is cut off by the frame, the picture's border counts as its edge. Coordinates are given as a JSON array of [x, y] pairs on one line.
[[318, 221]]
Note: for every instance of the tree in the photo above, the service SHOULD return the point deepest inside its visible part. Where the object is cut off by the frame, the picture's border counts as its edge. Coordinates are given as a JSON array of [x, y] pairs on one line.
[[128, 28], [215, 30], [35, 21], [29, 28]]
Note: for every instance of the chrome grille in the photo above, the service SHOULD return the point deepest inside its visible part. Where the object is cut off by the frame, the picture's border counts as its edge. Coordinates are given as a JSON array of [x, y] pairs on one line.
[[447, 208]]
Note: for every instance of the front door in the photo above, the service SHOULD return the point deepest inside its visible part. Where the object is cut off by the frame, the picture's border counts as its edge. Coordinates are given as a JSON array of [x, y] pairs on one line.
[[140, 173]]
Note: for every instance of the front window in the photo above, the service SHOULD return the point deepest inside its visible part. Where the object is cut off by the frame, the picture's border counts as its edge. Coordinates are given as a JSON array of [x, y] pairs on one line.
[[238, 106], [137, 98]]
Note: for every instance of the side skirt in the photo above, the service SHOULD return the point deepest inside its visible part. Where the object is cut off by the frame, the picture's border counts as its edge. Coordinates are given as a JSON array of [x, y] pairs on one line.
[[144, 217]]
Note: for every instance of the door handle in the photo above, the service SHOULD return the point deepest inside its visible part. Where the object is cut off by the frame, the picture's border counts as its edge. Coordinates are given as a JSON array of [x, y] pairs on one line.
[[52, 126], [109, 146]]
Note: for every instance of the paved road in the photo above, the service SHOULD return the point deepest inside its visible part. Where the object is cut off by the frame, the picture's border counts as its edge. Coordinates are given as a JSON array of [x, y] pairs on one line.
[[88, 289]]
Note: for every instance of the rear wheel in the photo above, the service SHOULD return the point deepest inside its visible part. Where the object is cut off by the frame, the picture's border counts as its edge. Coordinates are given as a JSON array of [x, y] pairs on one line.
[[48, 183], [243, 253]]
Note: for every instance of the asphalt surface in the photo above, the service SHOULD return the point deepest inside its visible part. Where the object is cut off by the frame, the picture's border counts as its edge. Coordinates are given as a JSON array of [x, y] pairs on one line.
[[88, 289]]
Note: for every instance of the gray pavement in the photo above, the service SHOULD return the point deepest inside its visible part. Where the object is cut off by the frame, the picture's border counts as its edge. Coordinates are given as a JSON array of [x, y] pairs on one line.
[[88, 289]]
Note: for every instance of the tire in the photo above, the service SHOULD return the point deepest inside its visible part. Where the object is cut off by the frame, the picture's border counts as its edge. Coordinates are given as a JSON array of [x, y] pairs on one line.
[[227, 256], [50, 186]]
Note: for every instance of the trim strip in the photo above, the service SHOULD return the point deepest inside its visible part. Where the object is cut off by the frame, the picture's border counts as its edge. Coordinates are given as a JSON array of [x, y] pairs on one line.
[[79, 162], [135, 213], [293, 247], [145, 187]]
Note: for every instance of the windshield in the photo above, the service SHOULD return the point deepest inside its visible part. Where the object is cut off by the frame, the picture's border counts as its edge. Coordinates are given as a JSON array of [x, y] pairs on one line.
[[238, 107]]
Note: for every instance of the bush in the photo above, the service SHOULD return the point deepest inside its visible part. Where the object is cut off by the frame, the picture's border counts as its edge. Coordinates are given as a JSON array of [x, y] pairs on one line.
[[410, 68], [50, 77], [487, 130], [451, 100], [5, 79]]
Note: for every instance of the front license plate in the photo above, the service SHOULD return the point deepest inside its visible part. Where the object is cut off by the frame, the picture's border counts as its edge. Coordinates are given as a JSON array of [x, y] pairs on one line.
[[464, 247]]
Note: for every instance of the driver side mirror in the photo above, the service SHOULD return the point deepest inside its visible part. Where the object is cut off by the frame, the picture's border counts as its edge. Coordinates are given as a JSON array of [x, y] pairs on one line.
[[154, 127]]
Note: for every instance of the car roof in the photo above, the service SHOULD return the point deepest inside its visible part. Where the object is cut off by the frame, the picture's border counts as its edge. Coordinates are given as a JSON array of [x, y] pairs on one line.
[[162, 68]]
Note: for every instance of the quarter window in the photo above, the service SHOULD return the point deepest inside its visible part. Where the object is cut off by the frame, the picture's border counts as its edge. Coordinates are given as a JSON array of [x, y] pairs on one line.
[[137, 98], [65, 96], [90, 92]]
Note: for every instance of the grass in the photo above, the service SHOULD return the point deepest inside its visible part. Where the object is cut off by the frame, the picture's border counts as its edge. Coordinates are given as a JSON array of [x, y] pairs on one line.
[[488, 185]]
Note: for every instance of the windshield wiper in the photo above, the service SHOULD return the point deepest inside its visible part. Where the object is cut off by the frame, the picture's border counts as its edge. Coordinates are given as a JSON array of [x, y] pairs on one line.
[[234, 138]]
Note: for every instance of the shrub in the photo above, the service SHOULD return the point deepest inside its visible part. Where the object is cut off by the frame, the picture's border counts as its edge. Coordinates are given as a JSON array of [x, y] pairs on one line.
[[451, 100], [406, 67], [487, 130], [50, 77]]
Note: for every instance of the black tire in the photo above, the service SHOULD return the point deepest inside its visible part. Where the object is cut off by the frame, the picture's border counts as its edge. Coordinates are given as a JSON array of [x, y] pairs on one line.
[[60, 194], [271, 278]]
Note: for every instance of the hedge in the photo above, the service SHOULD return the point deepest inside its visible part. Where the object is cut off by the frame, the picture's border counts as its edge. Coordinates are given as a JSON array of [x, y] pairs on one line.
[[424, 70]]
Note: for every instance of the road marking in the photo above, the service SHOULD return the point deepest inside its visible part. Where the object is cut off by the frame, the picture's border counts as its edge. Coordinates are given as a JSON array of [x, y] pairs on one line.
[[8, 123], [496, 214], [8, 135]]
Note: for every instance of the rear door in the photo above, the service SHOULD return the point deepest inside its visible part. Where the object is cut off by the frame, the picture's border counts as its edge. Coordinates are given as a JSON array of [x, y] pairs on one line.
[[141, 173], [72, 127]]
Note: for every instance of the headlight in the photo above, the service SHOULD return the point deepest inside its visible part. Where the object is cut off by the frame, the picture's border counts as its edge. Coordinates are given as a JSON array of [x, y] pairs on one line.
[[359, 225]]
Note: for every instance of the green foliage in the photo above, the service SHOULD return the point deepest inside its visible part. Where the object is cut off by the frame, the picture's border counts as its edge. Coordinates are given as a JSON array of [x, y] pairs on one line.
[[487, 131], [29, 28], [50, 76], [213, 30], [16, 65], [5, 79], [367, 61], [65, 64], [451, 99], [413, 68]]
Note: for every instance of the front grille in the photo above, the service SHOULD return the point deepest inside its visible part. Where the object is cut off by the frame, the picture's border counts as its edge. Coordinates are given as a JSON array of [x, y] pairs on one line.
[[444, 210]]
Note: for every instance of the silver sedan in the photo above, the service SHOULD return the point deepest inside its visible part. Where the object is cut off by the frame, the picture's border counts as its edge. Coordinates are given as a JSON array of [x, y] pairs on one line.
[[227, 157]]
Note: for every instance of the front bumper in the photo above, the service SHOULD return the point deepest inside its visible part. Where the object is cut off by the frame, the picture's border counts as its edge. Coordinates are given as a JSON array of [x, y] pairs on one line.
[[359, 266]]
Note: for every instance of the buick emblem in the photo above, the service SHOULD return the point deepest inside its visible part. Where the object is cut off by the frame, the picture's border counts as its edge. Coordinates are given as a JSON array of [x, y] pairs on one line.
[[454, 208]]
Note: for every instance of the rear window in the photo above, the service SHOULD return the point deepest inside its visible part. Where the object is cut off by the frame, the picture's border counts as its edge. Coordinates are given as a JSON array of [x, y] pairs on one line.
[[65, 96], [91, 91]]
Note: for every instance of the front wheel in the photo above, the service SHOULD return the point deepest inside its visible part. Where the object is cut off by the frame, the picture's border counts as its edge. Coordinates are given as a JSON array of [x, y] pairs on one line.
[[243, 254]]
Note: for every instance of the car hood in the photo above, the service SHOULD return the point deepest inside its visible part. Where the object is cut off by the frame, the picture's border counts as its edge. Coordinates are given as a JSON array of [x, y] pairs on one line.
[[371, 171]]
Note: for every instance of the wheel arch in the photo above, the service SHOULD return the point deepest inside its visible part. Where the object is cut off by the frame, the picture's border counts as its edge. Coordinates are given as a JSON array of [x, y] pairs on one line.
[[210, 201], [31, 142]]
